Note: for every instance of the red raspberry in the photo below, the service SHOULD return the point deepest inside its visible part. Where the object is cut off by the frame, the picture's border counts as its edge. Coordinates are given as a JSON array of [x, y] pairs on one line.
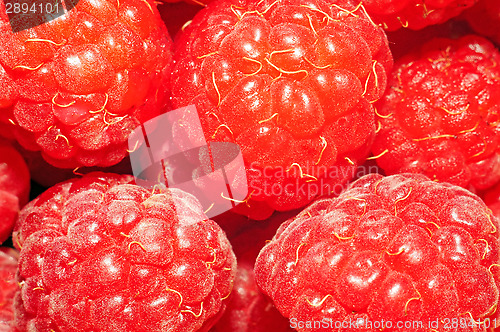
[[400, 248], [248, 309], [75, 87], [101, 254], [8, 286], [414, 14], [14, 188], [440, 116], [484, 18], [291, 83]]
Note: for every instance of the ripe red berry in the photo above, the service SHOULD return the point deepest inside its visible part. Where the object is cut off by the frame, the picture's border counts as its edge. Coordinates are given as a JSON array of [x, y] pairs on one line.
[[14, 187], [75, 87], [440, 115], [102, 254], [291, 83], [414, 14], [400, 248], [8, 287]]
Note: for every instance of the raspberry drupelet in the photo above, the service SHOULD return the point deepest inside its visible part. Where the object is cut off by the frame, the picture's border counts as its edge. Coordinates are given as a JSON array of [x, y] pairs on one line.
[[400, 248], [291, 82], [440, 114], [102, 254], [75, 87]]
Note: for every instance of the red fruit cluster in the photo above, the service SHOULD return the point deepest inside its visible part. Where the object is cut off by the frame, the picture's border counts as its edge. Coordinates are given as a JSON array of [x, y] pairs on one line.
[[14, 188], [101, 254], [440, 114], [8, 287], [291, 82], [75, 87], [414, 14], [401, 248]]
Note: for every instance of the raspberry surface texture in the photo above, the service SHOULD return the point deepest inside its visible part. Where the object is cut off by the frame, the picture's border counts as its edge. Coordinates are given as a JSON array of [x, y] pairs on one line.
[[102, 254], [484, 18], [440, 114], [392, 249], [291, 82], [8, 287], [414, 14], [248, 309], [75, 87], [14, 187]]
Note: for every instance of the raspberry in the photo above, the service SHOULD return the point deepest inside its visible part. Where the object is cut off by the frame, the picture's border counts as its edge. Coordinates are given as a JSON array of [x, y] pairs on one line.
[[400, 248], [249, 310], [8, 286], [440, 116], [102, 254], [484, 18], [291, 83], [76, 86], [414, 14], [14, 187]]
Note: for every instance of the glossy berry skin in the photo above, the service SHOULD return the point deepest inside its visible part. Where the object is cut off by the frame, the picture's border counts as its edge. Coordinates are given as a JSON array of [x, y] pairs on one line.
[[8, 287], [291, 82], [248, 309], [102, 254], [75, 87], [484, 19], [14, 187], [414, 14], [440, 116], [398, 248]]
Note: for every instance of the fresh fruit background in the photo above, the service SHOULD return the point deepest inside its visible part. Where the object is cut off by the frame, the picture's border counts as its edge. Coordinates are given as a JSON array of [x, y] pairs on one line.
[[370, 133]]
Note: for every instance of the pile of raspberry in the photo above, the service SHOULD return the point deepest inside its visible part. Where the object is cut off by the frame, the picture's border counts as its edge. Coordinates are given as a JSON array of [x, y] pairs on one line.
[[367, 133]]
